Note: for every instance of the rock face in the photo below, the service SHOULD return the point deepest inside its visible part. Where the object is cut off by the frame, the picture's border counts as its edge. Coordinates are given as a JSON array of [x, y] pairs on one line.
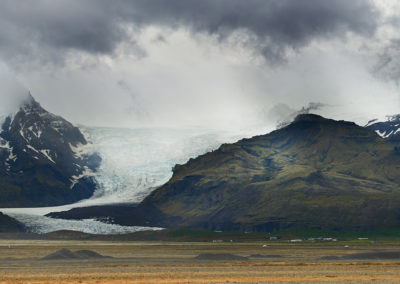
[[388, 128], [313, 173], [43, 161]]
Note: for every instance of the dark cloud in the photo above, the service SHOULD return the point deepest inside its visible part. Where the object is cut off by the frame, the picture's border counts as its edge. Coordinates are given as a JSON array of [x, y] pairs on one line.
[[49, 30], [277, 24], [388, 63], [283, 115]]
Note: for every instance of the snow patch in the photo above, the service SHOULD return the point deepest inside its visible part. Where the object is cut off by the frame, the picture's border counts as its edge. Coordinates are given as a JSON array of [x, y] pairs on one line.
[[21, 132], [32, 148], [381, 134], [35, 130], [81, 150], [11, 156], [86, 173], [46, 153]]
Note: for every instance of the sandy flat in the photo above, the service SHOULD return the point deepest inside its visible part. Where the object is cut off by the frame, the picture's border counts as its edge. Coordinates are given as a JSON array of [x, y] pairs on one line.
[[158, 262]]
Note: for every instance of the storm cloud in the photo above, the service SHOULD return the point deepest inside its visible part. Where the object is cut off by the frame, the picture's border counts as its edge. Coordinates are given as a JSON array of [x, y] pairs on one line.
[[276, 25], [49, 31], [209, 63], [388, 63]]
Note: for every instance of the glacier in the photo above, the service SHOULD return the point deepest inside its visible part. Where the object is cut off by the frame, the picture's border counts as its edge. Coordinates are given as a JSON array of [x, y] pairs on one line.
[[43, 224], [134, 163]]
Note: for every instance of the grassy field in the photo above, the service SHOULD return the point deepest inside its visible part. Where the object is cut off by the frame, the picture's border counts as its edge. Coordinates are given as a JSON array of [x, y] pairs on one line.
[[177, 262]]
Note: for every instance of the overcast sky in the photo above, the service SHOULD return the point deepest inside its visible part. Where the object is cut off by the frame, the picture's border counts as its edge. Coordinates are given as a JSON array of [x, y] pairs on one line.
[[209, 63]]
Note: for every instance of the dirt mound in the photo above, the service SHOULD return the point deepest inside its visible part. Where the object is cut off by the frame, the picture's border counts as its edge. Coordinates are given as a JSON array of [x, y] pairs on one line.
[[264, 255], [67, 254], [329, 257], [220, 256], [89, 254], [374, 255], [61, 254]]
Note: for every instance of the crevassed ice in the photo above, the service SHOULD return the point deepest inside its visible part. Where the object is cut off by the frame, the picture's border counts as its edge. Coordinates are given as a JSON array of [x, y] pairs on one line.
[[136, 161], [43, 224]]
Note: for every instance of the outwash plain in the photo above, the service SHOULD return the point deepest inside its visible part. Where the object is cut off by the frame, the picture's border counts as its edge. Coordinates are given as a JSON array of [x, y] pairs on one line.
[[255, 261]]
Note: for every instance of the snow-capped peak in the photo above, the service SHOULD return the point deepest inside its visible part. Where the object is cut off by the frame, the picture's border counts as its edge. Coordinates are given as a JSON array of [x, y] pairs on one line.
[[45, 151], [388, 128]]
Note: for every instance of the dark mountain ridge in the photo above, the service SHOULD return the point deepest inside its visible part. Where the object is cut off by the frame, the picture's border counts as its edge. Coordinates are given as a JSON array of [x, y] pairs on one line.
[[388, 128], [40, 161], [313, 173]]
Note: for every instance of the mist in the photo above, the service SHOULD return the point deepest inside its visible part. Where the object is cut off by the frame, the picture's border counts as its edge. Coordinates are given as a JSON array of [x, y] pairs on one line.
[[215, 64], [12, 93]]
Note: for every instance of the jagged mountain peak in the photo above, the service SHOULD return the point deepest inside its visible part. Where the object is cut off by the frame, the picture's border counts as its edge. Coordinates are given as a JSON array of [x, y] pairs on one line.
[[30, 105], [33, 119], [42, 153]]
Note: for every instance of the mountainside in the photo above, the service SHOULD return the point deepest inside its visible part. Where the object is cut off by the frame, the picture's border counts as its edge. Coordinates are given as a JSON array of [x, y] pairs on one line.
[[42, 159], [10, 225], [315, 172], [388, 128]]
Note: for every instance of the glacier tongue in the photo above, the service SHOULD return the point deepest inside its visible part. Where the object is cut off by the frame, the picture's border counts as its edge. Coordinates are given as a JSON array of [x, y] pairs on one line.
[[43, 224], [136, 161]]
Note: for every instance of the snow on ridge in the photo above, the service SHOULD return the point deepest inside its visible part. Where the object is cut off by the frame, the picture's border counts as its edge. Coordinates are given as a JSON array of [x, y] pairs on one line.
[[75, 178], [21, 132], [381, 133], [11, 156], [46, 153], [37, 131], [81, 150], [32, 148], [386, 133]]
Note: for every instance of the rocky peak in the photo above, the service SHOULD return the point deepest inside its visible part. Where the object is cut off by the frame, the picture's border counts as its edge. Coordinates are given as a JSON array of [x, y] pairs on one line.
[[385, 129], [309, 117], [49, 152]]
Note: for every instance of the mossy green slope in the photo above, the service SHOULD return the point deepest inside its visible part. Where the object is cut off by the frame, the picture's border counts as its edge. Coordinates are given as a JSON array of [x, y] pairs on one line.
[[314, 173]]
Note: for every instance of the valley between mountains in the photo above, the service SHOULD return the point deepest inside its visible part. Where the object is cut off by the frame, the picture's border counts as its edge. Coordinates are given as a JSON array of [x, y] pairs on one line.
[[314, 173]]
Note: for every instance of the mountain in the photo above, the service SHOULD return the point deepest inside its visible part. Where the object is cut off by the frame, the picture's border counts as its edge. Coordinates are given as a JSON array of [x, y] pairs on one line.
[[316, 172], [313, 173], [43, 160], [388, 128]]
